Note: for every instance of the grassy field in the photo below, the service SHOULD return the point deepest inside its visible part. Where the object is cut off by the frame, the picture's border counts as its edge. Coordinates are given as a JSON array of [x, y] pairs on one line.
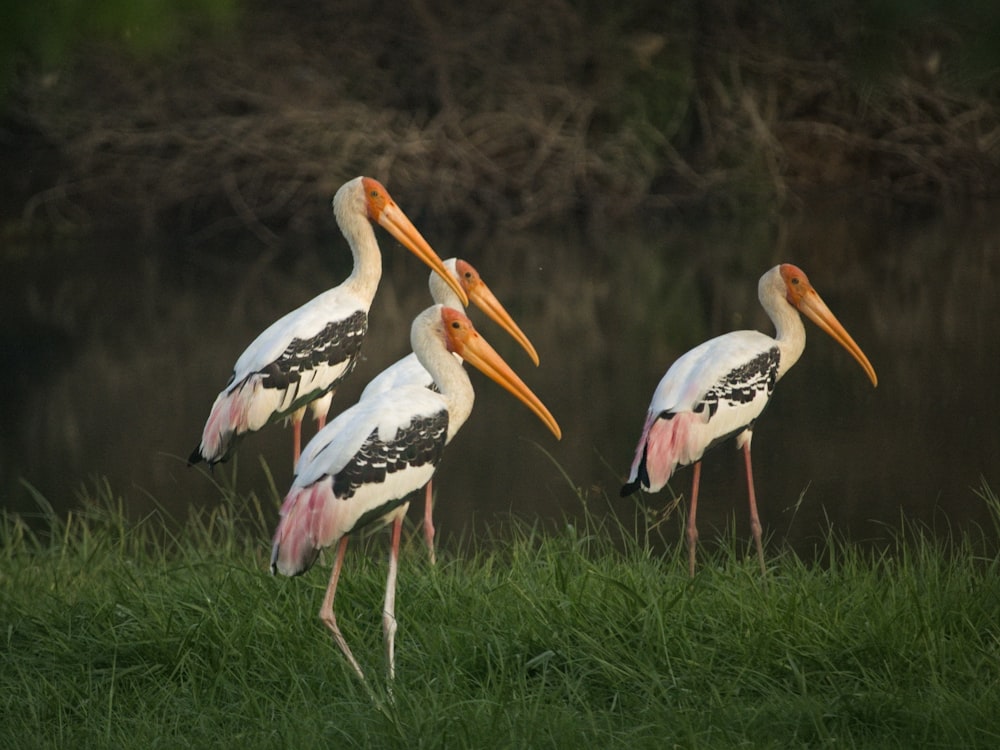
[[153, 634]]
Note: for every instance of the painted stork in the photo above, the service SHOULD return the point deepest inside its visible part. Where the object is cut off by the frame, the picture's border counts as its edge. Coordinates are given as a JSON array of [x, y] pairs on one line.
[[718, 389], [304, 355], [364, 464], [408, 370]]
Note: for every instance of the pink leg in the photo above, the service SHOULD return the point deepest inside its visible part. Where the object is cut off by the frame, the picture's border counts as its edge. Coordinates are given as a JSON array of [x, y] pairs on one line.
[[429, 521], [318, 412], [692, 529], [755, 527], [326, 611], [389, 613], [296, 437]]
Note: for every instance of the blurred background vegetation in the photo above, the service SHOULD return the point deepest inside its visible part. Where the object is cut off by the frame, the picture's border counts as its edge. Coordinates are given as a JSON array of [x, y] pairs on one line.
[[205, 118], [620, 172]]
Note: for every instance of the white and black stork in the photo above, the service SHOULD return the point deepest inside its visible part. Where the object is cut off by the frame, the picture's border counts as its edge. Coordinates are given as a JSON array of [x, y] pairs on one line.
[[409, 371], [304, 355], [719, 389], [366, 463]]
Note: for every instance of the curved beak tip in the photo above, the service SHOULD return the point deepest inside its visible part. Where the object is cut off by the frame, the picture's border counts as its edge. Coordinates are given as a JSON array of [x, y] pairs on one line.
[[532, 354], [455, 287], [485, 300], [479, 354]]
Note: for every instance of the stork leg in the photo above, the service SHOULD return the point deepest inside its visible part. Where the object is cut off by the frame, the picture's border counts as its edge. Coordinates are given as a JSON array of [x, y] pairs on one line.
[[692, 529], [296, 418], [389, 612], [755, 527], [326, 611], [318, 410], [429, 521]]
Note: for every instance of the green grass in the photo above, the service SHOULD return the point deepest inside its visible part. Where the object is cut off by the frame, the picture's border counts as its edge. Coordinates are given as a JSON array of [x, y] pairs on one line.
[[118, 633]]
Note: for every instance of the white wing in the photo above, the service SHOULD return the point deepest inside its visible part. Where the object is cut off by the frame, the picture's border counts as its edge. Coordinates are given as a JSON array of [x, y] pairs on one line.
[[333, 447], [304, 322], [707, 366]]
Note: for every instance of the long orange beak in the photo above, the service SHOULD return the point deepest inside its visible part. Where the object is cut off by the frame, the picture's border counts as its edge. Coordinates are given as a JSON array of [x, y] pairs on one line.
[[383, 209], [483, 298], [465, 341], [809, 303]]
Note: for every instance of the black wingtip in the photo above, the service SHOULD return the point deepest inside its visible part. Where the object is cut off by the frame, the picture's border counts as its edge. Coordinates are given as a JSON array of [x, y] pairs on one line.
[[630, 489], [641, 477], [195, 457]]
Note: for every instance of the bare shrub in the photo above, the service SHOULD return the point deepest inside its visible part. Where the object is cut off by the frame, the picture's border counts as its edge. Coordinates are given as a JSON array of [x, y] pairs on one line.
[[498, 115]]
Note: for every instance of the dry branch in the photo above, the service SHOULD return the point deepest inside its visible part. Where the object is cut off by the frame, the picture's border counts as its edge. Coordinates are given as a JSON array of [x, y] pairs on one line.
[[510, 123]]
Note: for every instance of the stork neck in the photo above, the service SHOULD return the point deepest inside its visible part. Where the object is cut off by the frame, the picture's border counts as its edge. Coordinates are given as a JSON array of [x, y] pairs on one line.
[[367, 270], [441, 292], [453, 382], [449, 375], [352, 218], [790, 333]]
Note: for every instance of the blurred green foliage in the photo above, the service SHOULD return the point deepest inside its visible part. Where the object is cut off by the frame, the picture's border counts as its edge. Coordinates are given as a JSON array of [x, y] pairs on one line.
[[967, 32], [519, 111], [43, 32]]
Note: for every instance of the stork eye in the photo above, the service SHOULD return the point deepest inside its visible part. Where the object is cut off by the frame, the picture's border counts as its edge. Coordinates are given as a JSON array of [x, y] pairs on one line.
[[795, 280], [456, 325]]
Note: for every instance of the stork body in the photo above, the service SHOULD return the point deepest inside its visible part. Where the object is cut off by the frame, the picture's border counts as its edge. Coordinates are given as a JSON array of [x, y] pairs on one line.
[[304, 355], [409, 371], [719, 389], [363, 466]]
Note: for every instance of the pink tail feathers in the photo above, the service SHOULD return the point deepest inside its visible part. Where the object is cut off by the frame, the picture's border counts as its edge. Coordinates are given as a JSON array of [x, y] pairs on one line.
[[229, 419], [309, 522], [663, 446]]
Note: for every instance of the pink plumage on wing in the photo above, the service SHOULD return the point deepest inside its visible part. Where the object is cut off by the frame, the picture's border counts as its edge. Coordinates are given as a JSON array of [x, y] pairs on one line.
[[309, 522], [664, 445], [229, 418]]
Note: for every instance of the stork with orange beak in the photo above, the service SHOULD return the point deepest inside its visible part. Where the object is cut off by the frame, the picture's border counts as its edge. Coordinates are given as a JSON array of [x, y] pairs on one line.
[[719, 389], [303, 356], [363, 466], [408, 370]]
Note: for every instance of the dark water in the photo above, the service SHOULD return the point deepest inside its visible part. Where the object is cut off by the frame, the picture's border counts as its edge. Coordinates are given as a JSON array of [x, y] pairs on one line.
[[111, 367]]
